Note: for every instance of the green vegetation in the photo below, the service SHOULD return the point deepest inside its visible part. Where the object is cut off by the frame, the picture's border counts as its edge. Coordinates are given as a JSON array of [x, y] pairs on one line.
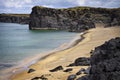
[[17, 15]]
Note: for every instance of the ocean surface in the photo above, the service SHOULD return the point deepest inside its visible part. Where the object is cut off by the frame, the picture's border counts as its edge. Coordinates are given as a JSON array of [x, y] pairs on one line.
[[17, 42]]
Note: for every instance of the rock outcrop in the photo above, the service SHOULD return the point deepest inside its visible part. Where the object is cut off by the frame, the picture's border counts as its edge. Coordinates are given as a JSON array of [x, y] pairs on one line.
[[60, 19], [71, 77], [75, 19], [31, 70], [15, 18], [81, 61], [56, 69], [105, 61]]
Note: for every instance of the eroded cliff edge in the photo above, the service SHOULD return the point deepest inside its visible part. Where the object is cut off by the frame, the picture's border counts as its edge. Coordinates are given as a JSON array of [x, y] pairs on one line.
[[15, 18], [72, 19]]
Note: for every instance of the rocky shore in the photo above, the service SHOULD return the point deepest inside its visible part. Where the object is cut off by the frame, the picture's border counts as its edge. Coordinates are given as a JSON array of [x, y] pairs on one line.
[[86, 60], [73, 63], [104, 63]]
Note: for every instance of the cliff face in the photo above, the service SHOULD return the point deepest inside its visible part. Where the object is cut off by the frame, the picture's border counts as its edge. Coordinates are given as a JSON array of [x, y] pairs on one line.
[[62, 19], [15, 18], [72, 19]]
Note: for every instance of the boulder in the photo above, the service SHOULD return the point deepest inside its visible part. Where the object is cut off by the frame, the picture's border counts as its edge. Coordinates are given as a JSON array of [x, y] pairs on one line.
[[87, 71], [40, 78], [68, 70], [71, 77], [83, 78], [31, 70], [56, 69], [80, 71], [70, 65], [82, 61]]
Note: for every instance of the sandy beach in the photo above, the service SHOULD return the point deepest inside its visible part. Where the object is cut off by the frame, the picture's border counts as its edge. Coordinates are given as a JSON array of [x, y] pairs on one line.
[[93, 38]]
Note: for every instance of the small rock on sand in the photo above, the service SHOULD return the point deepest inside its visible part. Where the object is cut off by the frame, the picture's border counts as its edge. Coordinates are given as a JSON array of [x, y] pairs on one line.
[[31, 70], [56, 69], [71, 77]]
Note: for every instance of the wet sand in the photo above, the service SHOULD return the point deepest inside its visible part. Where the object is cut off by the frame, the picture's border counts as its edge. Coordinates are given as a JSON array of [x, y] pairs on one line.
[[92, 39]]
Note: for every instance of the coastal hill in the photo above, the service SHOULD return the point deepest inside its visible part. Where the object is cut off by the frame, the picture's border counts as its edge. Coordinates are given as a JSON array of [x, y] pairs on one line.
[[72, 19], [15, 18]]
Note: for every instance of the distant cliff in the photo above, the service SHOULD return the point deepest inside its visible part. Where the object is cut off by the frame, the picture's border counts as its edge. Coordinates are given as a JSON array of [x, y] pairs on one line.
[[72, 19], [15, 18]]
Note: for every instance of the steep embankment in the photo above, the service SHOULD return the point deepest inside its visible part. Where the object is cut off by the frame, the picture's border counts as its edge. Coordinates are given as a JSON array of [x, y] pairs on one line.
[[72, 19], [15, 18]]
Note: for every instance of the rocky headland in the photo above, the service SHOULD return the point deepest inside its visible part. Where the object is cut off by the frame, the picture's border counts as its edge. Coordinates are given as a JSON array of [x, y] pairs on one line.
[[15, 18], [74, 19]]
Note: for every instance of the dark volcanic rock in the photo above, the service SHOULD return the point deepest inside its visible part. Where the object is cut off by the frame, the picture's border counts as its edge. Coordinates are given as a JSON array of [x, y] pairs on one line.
[[15, 18], [105, 61], [40, 78], [70, 65], [87, 71], [59, 19], [71, 77], [56, 69], [83, 78], [68, 70], [31, 70], [74, 19], [82, 61], [80, 71]]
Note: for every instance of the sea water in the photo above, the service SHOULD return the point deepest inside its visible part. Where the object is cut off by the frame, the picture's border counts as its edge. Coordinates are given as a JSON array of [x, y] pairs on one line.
[[17, 42]]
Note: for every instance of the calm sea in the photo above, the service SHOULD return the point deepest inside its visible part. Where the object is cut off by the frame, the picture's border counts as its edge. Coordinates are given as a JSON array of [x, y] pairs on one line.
[[17, 42]]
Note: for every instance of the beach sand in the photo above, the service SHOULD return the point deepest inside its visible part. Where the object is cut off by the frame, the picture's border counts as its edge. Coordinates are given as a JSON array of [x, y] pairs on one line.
[[93, 38]]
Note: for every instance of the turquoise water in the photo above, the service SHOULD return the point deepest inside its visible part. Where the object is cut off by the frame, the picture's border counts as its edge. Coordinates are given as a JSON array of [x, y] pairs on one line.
[[17, 42]]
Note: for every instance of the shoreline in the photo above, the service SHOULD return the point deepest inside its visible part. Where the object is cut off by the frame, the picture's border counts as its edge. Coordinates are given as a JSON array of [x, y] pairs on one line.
[[26, 63], [92, 39]]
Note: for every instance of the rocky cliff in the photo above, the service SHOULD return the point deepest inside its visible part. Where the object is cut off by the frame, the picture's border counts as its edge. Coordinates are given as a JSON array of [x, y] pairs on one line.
[[105, 62], [61, 19], [72, 19], [15, 18]]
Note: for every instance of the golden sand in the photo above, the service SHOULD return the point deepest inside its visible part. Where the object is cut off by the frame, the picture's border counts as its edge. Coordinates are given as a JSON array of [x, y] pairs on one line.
[[92, 39]]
